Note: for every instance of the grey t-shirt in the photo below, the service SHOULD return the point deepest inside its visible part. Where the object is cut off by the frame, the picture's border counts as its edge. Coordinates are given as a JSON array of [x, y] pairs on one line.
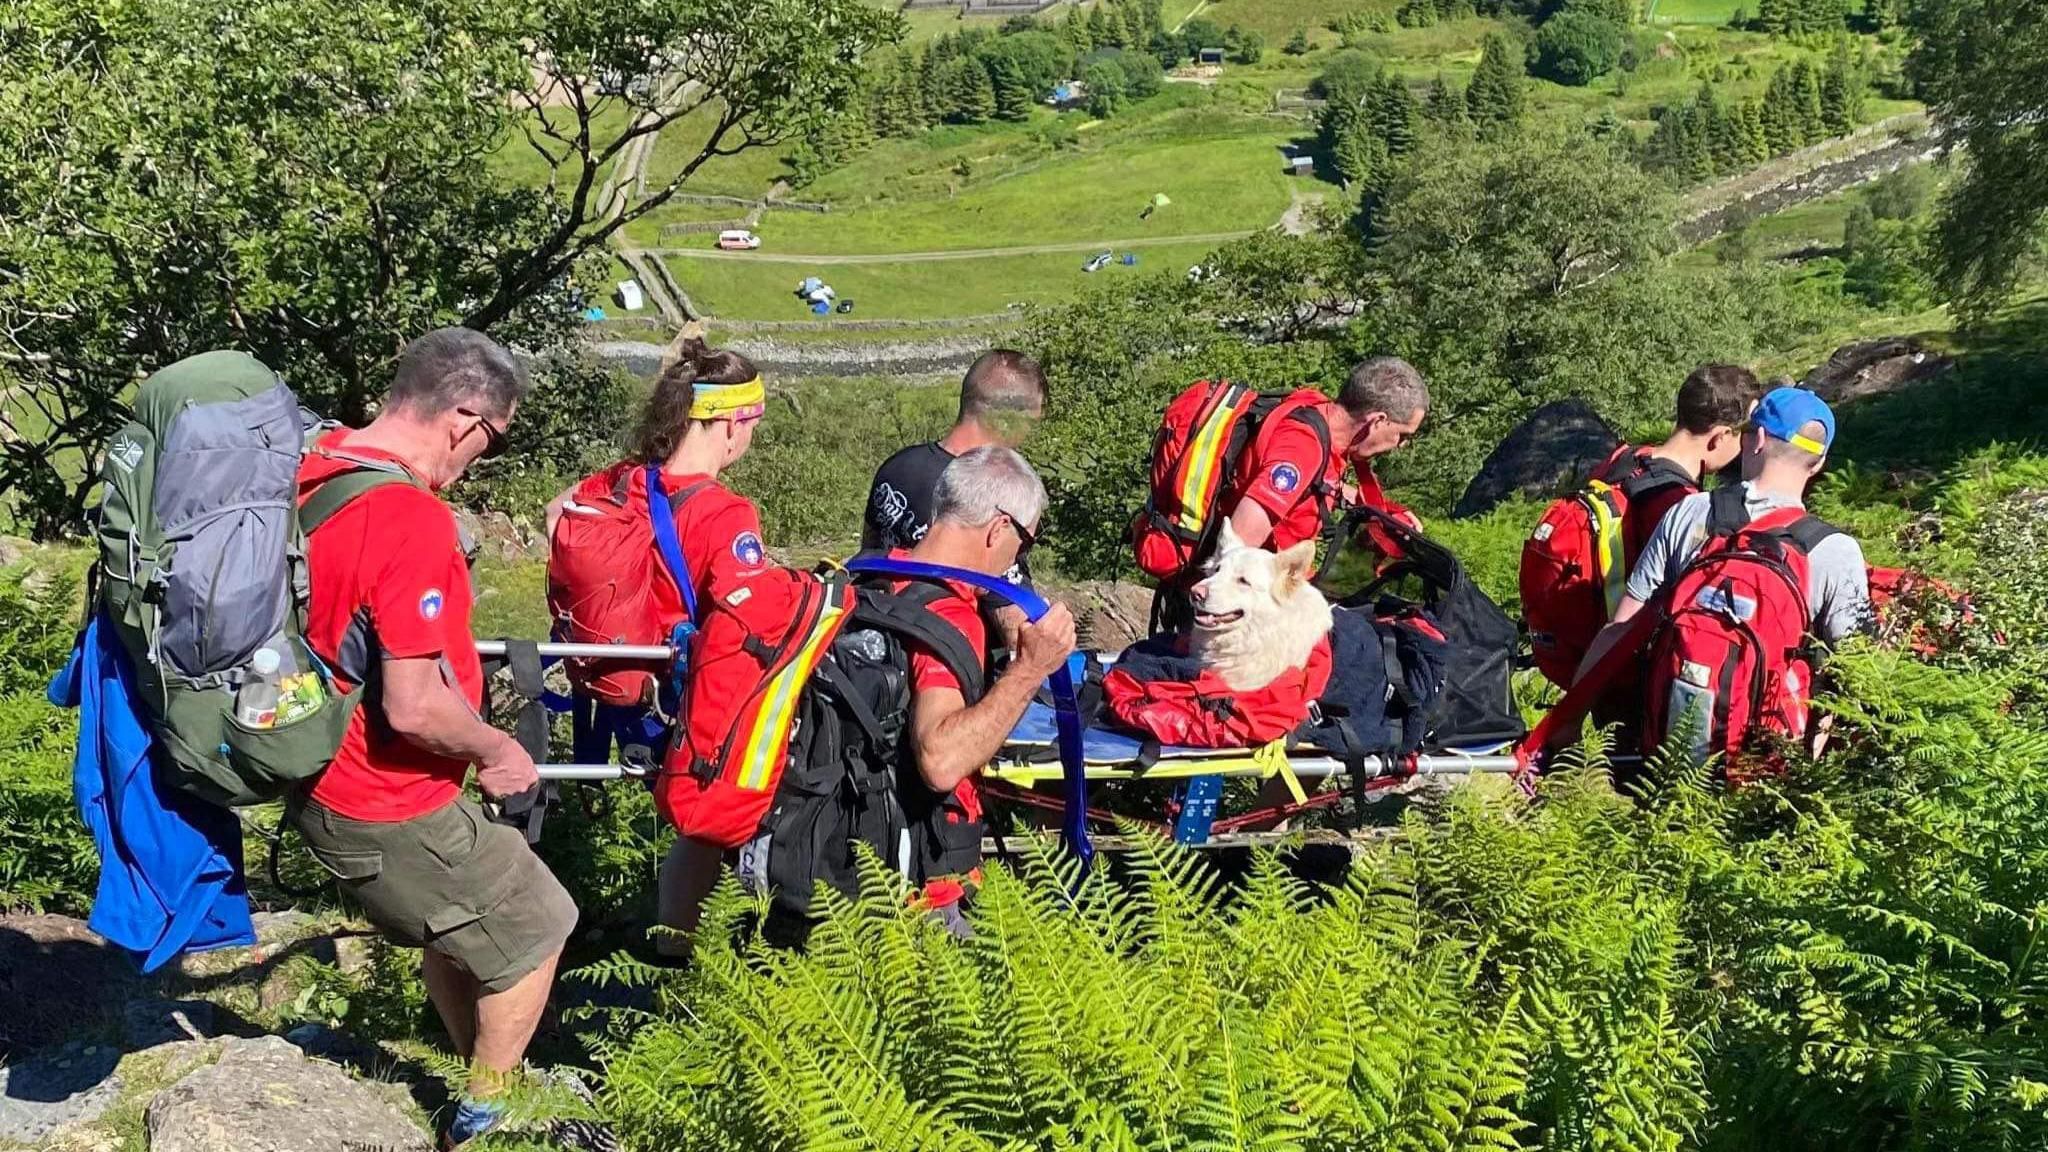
[[1837, 580]]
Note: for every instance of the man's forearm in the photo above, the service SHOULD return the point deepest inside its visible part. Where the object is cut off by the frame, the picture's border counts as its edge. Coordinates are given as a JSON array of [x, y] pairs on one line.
[[432, 717], [964, 743]]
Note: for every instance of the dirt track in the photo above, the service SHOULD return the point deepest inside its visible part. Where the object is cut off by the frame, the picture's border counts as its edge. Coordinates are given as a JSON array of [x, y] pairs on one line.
[[947, 254]]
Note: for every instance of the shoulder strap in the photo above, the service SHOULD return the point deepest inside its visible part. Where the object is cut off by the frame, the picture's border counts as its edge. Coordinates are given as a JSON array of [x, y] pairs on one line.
[[336, 492], [1807, 532], [1727, 511], [1321, 427], [1619, 467], [661, 517], [908, 614], [1656, 475]]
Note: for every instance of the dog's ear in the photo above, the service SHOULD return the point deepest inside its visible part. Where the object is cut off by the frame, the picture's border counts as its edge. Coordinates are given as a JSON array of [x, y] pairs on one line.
[[1295, 565], [1228, 540]]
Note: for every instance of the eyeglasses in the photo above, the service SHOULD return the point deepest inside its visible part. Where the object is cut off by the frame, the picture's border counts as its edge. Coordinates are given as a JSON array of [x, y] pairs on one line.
[[495, 438], [1026, 536]]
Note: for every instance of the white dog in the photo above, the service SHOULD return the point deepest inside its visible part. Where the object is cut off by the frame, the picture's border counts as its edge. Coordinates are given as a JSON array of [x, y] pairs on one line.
[[1256, 614]]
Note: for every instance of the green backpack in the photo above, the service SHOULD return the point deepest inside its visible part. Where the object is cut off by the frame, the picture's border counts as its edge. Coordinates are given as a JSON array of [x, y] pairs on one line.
[[203, 563]]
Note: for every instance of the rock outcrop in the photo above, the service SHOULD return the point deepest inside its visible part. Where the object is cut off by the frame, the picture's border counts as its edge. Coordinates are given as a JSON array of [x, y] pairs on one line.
[[1560, 441], [265, 1095], [1874, 368]]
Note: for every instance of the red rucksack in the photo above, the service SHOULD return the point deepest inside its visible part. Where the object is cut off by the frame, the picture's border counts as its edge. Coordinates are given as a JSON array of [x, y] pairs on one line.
[[1575, 564], [1202, 436], [614, 577], [1732, 647]]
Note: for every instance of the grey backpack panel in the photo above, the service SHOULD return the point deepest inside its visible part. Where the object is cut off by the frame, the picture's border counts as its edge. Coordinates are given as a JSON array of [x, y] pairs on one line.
[[226, 481]]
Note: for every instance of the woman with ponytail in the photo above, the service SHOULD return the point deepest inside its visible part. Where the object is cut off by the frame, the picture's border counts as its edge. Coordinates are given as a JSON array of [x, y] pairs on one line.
[[697, 422]]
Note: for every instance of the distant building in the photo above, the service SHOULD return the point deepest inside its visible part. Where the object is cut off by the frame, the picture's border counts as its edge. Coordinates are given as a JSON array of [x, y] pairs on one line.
[[1209, 56], [630, 296], [1301, 165]]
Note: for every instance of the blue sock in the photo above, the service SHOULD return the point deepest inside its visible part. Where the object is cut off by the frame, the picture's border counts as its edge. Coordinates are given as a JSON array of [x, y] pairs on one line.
[[473, 1118]]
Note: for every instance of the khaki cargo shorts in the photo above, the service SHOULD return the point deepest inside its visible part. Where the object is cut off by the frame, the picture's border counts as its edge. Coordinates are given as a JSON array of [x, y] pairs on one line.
[[450, 881]]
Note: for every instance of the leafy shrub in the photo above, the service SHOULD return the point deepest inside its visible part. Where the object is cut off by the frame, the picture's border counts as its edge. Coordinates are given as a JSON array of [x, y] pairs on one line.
[[1577, 47], [47, 861], [1845, 958]]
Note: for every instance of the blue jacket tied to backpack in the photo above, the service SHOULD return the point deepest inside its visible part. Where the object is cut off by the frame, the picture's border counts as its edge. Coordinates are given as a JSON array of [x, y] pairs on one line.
[[170, 864]]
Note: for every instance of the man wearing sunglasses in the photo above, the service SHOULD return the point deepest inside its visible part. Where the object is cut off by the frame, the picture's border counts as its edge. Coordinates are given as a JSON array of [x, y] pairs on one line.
[[390, 611], [1286, 483], [986, 511]]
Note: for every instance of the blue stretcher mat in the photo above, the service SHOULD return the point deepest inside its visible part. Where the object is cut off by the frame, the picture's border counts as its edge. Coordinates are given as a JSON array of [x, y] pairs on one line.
[[1039, 728]]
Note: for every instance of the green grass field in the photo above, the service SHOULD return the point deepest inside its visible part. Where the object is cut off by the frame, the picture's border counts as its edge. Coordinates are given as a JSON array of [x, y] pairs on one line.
[[923, 290], [518, 162], [1215, 186], [1695, 11], [1277, 19]]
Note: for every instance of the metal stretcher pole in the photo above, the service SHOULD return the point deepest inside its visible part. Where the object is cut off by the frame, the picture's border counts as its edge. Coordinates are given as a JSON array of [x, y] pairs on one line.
[[552, 650], [1444, 764]]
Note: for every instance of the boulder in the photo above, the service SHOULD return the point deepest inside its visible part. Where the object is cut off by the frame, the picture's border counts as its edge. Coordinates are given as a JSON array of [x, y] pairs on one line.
[[1559, 442], [57, 978], [1874, 368], [62, 1087], [264, 1095], [13, 550]]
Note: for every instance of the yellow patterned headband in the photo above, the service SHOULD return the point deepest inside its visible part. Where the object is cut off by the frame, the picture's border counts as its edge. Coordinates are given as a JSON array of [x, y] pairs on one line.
[[740, 401]]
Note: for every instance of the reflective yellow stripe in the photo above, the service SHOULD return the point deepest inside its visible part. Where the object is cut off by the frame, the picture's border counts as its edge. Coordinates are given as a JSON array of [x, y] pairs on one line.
[[1808, 443], [1607, 545], [768, 735], [1200, 480]]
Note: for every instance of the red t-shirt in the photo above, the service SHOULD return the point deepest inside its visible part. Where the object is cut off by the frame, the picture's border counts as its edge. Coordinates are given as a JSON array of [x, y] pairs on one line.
[[388, 566], [720, 534], [962, 610], [1280, 471]]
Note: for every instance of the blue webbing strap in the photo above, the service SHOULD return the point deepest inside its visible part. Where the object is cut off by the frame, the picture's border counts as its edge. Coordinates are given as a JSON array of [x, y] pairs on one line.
[[1074, 822], [662, 518]]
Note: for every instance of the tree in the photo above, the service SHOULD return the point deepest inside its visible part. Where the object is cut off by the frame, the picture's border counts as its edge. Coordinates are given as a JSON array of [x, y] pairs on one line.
[[971, 92], [1784, 130], [1577, 46], [1445, 105], [1075, 30], [1842, 91], [1199, 33], [1104, 28], [1396, 116], [1107, 93], [1494, 98], [1813, 126], [1247, 48], [321, 212], [1023, 67], [1984, 64], [1297, 44]]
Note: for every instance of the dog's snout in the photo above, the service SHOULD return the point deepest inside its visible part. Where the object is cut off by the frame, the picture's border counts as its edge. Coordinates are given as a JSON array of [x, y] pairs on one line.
[[1200, 592]]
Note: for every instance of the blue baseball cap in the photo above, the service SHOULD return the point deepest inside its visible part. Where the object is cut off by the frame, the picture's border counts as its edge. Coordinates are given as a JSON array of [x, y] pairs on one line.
[[1784, 411]]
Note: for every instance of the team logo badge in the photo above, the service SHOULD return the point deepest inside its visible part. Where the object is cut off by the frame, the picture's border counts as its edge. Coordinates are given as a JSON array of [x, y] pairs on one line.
[[1285, 477], [746, 548], [431, 603]]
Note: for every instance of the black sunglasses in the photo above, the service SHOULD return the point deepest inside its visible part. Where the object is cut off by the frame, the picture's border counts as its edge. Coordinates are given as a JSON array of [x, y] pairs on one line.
[[1026, 536], [495, 438]]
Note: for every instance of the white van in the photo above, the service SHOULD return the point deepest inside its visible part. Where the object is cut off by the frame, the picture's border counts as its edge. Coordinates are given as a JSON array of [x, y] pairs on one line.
[[739, 239]]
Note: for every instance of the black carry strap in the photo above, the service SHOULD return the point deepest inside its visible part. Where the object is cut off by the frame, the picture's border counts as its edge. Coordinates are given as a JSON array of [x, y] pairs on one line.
[[1655, 475], [527, 810], [1727, 510], [1807, 532]]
